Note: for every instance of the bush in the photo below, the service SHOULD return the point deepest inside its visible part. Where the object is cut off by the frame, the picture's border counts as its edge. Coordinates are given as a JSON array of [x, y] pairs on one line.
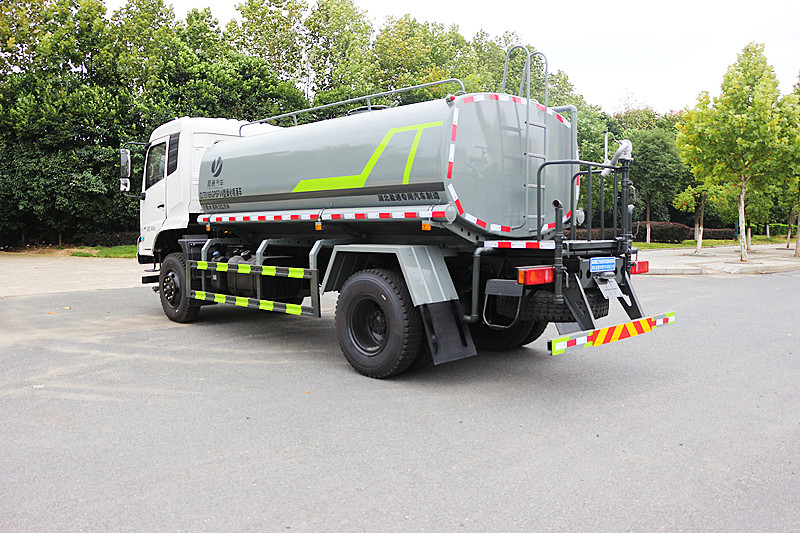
[[581, 233], [722, 234], [119, 238], [662, 232], [781, 229]]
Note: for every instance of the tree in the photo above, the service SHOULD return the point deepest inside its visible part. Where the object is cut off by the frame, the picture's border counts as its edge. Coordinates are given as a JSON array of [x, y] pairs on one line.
[[736, 137], [271, 30], [340, 63], [656, 170], [793, 153], [59, 111]]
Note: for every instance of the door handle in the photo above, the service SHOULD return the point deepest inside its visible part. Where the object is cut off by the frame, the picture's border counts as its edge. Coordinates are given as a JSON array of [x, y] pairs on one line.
[[160, 206]]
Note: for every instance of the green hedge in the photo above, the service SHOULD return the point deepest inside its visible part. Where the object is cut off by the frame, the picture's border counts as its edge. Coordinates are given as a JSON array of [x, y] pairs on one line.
[[722, 234], [662, 232], [781, 229]]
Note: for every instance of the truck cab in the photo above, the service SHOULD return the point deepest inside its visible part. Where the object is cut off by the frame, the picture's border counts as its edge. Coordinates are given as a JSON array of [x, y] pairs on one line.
[[169, 202]]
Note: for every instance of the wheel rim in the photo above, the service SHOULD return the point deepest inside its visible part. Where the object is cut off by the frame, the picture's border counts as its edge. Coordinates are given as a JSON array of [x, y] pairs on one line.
[[171, 288], [369, 327]]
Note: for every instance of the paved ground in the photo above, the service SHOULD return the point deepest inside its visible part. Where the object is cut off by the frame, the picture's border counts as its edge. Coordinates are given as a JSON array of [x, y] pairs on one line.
[[762, 259], [42, 273], [116, 419]]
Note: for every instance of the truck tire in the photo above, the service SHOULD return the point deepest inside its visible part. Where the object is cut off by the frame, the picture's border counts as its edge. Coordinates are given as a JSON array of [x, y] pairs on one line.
[[378, 328], [500, 340], [536, 331], [172, 287]]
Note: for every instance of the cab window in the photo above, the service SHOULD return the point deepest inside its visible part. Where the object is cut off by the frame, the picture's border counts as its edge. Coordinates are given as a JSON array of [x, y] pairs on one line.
[[154, 168]]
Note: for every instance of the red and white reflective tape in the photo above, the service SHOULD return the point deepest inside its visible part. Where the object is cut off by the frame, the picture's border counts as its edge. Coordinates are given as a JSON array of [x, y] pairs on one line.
[[501, 97], [452, 191], [451, 156], [552, 225], [436, 213], [521, 245], [499, 228], [475, 220]]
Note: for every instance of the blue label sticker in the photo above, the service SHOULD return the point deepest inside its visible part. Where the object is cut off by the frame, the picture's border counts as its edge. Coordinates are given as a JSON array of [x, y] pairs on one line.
[[602, 264]]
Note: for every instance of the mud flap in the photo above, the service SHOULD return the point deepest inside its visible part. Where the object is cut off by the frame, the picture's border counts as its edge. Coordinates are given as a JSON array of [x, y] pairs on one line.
[[448, 336]]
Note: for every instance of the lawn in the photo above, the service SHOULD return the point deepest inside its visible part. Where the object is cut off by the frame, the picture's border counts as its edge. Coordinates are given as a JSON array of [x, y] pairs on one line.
[[127, 251]]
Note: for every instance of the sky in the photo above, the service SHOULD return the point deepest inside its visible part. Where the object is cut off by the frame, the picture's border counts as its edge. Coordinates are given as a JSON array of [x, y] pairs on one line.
[[618, 54]]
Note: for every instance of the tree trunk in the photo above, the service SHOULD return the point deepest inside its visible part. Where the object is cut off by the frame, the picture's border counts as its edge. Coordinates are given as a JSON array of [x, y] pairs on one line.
[[699, 237], [59, 239], [797, 243], [697, 221], [789, 231], [767, 229], [647, 202], [749, 238], [742, 225]]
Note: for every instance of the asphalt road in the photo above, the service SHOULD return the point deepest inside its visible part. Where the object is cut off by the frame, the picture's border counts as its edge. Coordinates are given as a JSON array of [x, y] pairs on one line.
[[112, 418]]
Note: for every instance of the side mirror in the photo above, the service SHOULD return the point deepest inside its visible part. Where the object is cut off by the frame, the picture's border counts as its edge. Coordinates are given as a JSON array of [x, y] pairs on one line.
[[124, 166], [124, 184]]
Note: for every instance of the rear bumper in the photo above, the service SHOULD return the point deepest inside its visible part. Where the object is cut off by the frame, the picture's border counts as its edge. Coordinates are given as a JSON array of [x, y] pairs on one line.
[[599, 337]]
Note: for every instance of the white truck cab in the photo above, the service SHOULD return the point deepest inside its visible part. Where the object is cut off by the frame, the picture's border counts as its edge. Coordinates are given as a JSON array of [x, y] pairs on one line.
[[169, 198]]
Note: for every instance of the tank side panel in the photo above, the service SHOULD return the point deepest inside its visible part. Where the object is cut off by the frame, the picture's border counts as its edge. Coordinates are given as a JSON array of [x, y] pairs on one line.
[[391, 156]]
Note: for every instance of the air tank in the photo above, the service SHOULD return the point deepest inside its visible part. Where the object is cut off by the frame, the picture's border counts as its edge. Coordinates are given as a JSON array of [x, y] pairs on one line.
[[467, 151]]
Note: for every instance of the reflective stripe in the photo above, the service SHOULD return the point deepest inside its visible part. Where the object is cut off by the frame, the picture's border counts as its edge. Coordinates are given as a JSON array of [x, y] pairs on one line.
[[599, 337], [253, 303]]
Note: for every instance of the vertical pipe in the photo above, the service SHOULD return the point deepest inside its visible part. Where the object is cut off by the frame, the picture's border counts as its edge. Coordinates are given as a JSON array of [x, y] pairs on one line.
[[616, 205], [602, 207], [589, 205]]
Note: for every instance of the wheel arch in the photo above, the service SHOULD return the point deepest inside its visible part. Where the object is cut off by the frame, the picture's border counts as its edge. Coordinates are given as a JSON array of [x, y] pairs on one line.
[[423, 269]]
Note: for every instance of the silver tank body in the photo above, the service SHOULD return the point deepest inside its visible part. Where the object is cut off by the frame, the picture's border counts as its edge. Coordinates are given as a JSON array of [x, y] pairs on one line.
[[469, 154]]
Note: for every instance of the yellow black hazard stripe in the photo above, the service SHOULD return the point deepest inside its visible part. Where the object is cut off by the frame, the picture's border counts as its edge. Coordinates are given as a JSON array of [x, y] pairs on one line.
[[253, 303], [244, 268], [599, 337]]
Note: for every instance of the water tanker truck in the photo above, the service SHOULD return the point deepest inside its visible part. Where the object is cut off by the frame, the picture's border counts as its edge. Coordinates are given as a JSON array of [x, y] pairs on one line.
[[446, 226]]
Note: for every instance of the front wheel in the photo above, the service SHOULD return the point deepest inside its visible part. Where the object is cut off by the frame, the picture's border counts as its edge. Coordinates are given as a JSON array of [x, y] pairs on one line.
[[378, 327], [172, 290]]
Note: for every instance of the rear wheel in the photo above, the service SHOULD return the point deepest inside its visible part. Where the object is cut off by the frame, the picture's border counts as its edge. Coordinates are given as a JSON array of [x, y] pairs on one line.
[[378, 327], [500, 340], [536, 331], [172, 290]]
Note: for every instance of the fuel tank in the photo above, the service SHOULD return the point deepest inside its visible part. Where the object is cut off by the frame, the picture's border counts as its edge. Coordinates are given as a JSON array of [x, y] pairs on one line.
[[469, 152]]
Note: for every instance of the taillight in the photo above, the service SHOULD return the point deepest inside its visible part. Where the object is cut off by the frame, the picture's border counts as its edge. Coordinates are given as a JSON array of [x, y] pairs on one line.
[[535, 275], [640, 267]]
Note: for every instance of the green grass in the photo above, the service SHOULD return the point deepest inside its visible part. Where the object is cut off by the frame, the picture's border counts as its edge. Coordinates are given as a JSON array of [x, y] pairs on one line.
[[120, 252]]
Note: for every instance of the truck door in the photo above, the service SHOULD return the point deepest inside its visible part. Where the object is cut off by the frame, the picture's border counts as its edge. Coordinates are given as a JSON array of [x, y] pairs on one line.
[[152, 210]]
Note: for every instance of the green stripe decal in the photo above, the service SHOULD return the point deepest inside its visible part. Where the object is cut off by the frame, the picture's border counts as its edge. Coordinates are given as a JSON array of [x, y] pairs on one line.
[[244, 269], [293, 309], [219, 298], [265, 305], [296, 272], [241, 302], [222, 267], [357, 181], [268, 271], [202, 265], [200, 295]]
